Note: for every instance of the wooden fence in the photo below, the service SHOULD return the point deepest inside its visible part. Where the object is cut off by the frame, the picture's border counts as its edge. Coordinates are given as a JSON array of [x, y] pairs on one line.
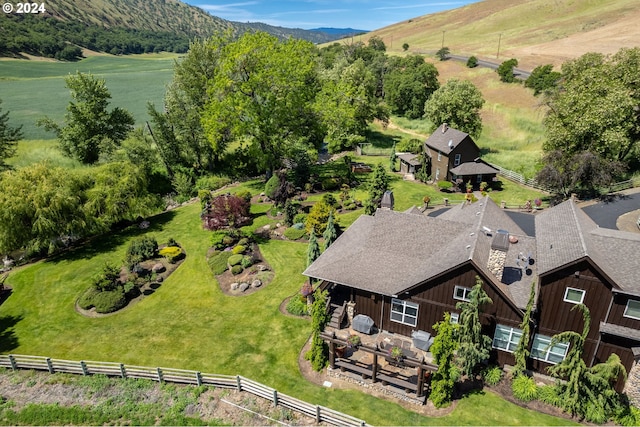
[[319, 413]]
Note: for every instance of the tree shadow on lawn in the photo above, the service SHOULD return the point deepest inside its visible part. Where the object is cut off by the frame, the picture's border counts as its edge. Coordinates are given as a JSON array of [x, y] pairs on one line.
[[382, 140], [8, 338], [112, 239]]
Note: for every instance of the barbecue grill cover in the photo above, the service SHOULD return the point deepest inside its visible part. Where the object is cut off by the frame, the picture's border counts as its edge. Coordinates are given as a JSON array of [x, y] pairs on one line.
[[421, 340], [362, 323]]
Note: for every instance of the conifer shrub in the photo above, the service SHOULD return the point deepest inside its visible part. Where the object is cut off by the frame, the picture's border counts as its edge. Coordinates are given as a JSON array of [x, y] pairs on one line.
[[236, 269], [141, 249], [292, 233], [109, 301], [85, 301], [173, 254], [238, 249], [218, 262]]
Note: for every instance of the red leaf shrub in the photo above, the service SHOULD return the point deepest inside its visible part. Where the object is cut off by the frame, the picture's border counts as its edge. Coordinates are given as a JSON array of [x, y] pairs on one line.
[[226, 211]]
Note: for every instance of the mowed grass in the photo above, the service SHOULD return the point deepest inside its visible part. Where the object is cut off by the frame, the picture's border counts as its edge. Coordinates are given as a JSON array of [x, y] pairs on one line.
[[189, 323], [31, 90]]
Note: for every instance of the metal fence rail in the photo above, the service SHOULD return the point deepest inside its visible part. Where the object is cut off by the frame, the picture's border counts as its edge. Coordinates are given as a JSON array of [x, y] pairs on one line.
[[320, 413]]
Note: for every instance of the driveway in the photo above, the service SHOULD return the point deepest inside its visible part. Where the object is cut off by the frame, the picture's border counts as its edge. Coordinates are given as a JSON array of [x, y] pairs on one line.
[[617, 212]]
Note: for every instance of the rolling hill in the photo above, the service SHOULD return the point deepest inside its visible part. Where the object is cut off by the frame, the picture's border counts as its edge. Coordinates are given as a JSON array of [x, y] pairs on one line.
[[535, 32]]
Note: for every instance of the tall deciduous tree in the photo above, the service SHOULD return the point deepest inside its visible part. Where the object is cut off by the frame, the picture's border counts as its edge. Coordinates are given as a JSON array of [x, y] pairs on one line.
[[542, 79], [90, 130], [474, 346], [458, 103], [263, 93], [505, 70], [8, 139], [587, 392], [408, 84], [596, 107]]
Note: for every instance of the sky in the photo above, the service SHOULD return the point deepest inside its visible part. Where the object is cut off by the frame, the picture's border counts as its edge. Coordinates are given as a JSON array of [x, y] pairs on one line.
[[308, 14]]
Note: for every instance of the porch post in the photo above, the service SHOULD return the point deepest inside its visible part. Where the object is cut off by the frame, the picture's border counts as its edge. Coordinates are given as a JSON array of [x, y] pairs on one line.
[[420, 390], [332, 351], [374, 368]]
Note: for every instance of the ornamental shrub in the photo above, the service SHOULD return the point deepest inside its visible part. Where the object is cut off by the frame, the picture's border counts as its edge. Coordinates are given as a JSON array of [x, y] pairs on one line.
[[271, 186], [109, 301], [236, 269], [245, 194], [492, 375], [238, 249], [172, 253], [141, 249], [218, 263], [330, 184], [85, 301], [244, 241], [212, 183], [297, 306], [524, 388], [235, 259], [293, 233], [172, 242], [300, 218], [247, 261], [217, 240], [445, 185]]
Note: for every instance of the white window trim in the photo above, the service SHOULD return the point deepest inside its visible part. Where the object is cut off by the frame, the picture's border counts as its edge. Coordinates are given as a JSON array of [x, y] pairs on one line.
[[510, 340], [627, 308], [404, 314], [465, 296], [457, 159], [439, 156], [566, 291], [454, 319], [548, 349]]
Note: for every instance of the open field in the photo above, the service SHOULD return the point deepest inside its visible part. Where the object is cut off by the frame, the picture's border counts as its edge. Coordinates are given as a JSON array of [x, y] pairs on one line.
[[31, 90]]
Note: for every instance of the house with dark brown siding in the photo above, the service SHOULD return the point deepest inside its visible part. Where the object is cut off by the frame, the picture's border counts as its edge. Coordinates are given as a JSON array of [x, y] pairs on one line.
[[405, 270], [448, 148]]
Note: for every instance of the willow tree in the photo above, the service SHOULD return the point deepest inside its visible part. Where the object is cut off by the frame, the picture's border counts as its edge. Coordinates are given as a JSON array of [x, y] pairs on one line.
[[474, 346]]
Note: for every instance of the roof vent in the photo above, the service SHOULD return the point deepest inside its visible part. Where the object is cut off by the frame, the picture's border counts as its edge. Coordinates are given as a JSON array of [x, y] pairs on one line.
[[387, 200], [450, 143], [500, 241]]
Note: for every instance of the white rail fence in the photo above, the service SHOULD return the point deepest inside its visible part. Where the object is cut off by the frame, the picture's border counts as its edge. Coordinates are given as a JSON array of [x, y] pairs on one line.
[[321, 414]]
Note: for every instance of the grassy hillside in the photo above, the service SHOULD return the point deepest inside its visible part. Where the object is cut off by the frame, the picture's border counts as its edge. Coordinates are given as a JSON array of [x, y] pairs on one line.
[[533, 31], [40, 90]]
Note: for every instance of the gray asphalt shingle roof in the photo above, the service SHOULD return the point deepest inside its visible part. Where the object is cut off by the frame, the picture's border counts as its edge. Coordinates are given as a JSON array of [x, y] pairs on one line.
[[473, 168], [410, 158], [393, 251], [439, 140]]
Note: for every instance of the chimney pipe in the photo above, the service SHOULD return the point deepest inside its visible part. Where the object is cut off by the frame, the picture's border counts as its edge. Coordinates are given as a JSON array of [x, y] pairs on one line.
[[444, 127]]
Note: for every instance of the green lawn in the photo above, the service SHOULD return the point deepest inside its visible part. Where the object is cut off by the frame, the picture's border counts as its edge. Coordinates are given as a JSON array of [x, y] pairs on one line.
[[31, 90], [189, 323]]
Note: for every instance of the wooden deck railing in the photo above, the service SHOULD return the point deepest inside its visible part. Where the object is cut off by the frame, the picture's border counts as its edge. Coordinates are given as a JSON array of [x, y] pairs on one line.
[[321, 414]]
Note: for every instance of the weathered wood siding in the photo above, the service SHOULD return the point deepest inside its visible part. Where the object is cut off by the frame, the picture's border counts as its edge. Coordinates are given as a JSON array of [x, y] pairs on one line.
[[616, 316]]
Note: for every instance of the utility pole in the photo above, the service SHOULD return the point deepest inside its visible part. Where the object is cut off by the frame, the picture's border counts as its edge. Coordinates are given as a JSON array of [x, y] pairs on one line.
[[499, 40], [442, 47]]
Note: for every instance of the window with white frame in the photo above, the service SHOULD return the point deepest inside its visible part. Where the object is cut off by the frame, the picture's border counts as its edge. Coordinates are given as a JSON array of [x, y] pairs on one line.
[[439, 156], [573, 295], [632, 310], [404, 312], [506, 338], [457, 159], [461, 293], [541, 350], [437, 174], [455, 317]]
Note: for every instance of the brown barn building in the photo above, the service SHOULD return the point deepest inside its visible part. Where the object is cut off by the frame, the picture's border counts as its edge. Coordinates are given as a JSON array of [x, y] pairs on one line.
[[405, 270]]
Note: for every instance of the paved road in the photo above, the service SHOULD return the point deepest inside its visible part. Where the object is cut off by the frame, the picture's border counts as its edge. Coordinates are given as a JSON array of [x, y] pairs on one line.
[[606, 213], [518, 73]]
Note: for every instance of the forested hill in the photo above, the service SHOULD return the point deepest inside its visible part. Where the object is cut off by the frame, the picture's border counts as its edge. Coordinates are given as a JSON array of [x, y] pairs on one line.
[[119, 27]]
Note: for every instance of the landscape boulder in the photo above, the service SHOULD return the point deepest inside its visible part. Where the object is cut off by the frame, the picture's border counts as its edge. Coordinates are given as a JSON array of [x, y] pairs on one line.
[[243, 286], [158, 268], [256, 283]]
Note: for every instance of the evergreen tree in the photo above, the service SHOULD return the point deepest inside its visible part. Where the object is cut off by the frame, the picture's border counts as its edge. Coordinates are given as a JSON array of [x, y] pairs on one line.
[[378, 185], [521, 352], [473, 347], [8, 138], [313, 249], [330, 233], [443, 350], [587, 392], [317, 355]]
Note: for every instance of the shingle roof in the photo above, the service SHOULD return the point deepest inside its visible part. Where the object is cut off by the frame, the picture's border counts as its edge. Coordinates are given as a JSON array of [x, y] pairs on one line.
[[410, 158], [566, 234], [392, 251], [473, 168], [439, 140], [620, 331]]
